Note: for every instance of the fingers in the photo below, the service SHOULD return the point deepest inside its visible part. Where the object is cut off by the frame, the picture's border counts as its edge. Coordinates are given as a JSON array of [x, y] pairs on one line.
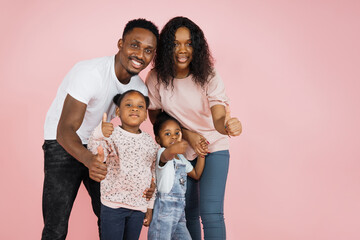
[[100, 154], [227, 113], [104, 119], [234, 127], [180, 136]]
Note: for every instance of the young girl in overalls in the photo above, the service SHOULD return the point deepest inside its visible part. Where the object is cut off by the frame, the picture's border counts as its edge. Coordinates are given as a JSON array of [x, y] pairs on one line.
[[172, 169]]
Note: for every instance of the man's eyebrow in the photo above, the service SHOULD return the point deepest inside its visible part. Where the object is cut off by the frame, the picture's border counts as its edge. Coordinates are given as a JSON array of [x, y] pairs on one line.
[[138, 42]]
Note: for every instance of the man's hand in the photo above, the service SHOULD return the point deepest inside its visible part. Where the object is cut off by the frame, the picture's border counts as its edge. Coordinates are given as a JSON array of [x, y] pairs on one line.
[[232, 125], [149, 192], [97, 167], [148, 217], [106, 127]]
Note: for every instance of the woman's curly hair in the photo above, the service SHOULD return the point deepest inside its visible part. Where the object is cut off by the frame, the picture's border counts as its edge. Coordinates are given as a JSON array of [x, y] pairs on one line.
[[201, 66]]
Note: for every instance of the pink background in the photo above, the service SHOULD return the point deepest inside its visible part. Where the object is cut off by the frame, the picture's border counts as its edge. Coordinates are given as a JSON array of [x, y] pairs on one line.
[[291, 69]]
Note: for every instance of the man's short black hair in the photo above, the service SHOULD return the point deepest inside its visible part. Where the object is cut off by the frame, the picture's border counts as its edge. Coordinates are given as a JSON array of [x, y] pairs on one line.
[[141, 23]]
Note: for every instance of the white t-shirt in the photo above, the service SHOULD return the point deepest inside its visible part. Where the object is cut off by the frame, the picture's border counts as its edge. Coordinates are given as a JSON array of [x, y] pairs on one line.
[[94, 83], [165, 175]]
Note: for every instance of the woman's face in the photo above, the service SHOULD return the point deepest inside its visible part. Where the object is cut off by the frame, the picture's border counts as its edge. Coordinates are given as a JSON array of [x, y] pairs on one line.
[[183, 52]]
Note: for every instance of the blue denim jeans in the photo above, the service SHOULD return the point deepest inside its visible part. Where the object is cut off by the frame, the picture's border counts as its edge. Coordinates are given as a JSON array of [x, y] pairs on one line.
[[63, 176], [120, 223], [205, 198], [168, 221]]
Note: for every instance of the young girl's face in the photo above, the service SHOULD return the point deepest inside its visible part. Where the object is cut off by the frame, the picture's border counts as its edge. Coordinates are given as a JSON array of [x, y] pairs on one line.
[[183, 52], [169, 133], [132, 111]]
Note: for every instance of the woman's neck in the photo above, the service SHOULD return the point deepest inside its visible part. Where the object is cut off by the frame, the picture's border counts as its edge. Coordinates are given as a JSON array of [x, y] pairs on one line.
[[182, 74]]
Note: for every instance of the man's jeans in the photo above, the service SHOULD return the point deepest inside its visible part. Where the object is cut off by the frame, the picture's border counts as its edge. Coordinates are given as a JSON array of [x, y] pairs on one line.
[[63, 176]]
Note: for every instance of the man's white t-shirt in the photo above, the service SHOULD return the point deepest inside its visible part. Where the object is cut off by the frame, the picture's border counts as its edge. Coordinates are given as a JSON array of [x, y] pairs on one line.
[[165, 175], [94, 83]]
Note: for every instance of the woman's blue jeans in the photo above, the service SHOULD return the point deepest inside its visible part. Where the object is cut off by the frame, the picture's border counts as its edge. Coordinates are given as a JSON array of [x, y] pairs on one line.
[[205, 198]]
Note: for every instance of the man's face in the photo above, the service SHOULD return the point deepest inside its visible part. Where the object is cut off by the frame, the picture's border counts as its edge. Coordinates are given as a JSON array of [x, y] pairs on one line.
[[136, 50]]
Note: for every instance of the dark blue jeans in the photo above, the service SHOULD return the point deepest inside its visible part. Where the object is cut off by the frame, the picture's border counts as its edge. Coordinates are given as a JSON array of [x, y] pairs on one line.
[[63, 176], [120, 223], [205, 198]]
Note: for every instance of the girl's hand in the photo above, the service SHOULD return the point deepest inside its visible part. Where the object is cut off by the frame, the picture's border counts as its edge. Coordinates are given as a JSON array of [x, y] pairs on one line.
[[232, 125], [106, 127], [148, 217], [197, 142], [149, 192]]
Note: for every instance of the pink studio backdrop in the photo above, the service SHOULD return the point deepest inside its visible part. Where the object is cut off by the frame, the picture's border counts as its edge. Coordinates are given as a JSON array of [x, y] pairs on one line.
[[292, 72]]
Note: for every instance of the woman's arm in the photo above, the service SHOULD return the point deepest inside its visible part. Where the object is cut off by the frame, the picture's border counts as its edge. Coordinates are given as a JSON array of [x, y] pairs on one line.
[[223, 122]]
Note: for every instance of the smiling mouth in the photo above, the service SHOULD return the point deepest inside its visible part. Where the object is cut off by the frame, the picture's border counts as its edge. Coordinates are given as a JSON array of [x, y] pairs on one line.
[[182, 59], [136, 63]]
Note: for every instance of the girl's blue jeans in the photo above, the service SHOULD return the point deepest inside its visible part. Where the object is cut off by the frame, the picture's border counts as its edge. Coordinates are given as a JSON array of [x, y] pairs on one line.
[[205, 198], [120, 223]]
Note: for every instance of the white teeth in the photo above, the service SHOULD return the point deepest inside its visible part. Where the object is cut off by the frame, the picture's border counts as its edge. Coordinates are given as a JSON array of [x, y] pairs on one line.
[[136, 63], [182, 59]]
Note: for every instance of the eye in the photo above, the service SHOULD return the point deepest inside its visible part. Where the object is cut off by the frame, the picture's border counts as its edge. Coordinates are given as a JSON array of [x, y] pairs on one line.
[[176, 44], [128, 105], [167, 134], [177, 133], [133, 45], [148, 51], [140, 106], [189, 44]]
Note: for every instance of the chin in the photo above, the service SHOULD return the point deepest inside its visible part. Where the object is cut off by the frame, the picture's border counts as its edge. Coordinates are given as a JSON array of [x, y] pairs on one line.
[[133, 72]]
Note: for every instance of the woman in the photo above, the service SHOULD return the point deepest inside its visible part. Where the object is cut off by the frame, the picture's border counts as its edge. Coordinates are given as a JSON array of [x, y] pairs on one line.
[[185, 85]]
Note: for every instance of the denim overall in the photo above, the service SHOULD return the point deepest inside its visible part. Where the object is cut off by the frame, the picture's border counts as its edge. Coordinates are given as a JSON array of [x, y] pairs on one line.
[[168, 220]]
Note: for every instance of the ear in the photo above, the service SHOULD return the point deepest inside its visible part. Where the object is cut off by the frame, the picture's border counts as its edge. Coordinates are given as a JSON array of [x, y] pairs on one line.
[[117, 111], [157, 139], [120, 43]]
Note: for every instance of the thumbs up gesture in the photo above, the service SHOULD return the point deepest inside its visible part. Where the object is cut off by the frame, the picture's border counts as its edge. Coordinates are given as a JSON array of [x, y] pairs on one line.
[[97, 167], [180, 146], [106, 127], [232, 124]]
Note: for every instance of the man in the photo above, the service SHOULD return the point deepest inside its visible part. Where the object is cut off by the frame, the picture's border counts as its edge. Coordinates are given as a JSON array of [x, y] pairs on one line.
[[83, 97]]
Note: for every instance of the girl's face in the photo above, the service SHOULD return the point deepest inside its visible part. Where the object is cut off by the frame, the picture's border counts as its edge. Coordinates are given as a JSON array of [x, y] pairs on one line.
[[183, 52], [169, 133], [132, 111]]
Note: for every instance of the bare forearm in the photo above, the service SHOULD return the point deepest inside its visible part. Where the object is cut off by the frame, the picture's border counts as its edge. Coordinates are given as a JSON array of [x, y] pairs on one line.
[[219, 125], [71, 142], [218, 114], [199, 167]]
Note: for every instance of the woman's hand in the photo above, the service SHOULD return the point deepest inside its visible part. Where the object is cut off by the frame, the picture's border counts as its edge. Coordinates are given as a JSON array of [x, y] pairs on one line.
[[196, 141], [232, 124]]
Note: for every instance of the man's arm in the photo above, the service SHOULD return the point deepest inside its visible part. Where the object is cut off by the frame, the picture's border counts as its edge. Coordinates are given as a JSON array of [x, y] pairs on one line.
[[70, 121]]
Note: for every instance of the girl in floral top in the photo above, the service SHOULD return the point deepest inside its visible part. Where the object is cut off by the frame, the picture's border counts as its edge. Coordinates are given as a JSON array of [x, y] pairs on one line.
[[130, 156]]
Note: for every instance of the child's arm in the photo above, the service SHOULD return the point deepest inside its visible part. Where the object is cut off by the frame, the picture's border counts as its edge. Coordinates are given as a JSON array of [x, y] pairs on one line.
[[198, 169], [148, 217]]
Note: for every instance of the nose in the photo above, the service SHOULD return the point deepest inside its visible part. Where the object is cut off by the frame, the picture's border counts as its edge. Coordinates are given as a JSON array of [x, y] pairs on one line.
[[139, 54], [134, 108], [182, 48]]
